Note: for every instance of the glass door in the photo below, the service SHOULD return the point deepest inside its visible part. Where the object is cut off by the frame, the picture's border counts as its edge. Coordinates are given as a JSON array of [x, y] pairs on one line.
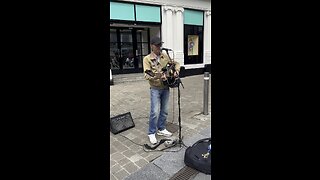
[[126, 49], [142, 45], [114, 50]]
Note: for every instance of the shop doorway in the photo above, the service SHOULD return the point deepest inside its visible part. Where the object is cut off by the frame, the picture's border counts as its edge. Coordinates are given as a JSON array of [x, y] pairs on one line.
[[128, 46]]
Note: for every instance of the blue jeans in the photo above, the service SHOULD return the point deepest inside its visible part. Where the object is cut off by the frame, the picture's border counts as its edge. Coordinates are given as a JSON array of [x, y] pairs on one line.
[[159, 109]]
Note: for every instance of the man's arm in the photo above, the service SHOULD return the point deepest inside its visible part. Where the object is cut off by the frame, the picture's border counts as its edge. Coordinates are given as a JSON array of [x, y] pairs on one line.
[[146, 68]]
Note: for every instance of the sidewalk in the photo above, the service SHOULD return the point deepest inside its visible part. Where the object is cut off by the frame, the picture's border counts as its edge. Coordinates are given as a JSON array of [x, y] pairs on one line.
[[130, 161]]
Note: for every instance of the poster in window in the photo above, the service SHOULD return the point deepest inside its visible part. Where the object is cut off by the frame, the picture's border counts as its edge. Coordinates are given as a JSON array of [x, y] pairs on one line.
[[193, 44]]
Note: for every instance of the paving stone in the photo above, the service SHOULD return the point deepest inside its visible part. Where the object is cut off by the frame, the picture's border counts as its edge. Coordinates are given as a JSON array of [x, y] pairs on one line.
[[112, 139], [202, 176], [134, 131], [121, 148], [112, 177], [152, 157], [143, 136], [112, 163], [171, 162], [125, 133], [116, 168], [138, 140], [115, 144], [141, 128], [121, 174], [130, 136], [206, 132], [135, 158], [117, 156], [124, 161], [141, 151], [120, 138], [149, 172], [190, 125], [203, 117], [130, 167], [198, 129], [144, 155], [129, 153], [112, 150], [141, 163], [135, 148], [191, 140]]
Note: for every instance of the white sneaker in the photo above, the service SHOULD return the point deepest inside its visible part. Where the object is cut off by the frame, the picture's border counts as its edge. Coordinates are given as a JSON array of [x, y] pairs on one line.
[[164, 133], [152, 138]]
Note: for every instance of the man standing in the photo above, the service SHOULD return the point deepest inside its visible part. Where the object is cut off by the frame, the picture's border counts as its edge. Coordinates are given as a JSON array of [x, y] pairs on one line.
[[159, 92]]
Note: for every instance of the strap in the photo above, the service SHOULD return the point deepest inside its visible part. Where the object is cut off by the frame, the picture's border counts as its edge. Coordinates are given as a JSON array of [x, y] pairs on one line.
[[201, 140]]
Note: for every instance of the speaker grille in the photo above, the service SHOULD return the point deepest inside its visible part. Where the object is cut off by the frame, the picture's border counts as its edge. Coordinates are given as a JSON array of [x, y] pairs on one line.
[[121, 123]]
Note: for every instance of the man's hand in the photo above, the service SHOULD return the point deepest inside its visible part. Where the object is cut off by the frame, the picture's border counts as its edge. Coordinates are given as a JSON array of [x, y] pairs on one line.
[[158, 75], [164, 77], [176, 74]]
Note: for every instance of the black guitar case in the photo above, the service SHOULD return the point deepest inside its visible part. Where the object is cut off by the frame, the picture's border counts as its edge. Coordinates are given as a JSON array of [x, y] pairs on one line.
[[195, 156]]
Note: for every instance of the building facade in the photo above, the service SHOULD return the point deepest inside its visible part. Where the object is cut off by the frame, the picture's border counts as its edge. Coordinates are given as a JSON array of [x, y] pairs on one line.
[[183, 25]]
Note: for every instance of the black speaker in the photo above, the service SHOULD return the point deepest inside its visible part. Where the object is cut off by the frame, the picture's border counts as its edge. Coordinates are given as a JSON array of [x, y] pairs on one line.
[[121, 123]]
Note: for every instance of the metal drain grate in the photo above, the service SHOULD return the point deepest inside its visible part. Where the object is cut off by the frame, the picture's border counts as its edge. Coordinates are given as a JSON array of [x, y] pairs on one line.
[[185, 174]]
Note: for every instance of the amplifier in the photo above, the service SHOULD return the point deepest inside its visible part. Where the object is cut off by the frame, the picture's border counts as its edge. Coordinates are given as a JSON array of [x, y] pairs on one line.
[[121, 123]]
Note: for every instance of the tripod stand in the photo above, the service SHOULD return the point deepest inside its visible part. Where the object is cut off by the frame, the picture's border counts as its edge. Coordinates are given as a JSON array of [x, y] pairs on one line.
[[179, 118], [180, 142]]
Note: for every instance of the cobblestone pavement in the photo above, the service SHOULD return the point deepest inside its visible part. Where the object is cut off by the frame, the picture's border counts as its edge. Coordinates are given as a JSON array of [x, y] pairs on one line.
[[133, 96]]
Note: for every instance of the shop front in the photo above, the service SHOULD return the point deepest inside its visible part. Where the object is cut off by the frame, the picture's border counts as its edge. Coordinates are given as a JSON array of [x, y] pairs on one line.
[[128, 46], [131, 26], [183, 27]]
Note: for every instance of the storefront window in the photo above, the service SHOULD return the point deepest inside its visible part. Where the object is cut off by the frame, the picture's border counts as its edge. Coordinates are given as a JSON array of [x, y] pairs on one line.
[[142, 45], [127, 56], [128, 47], [114, 52], [193, 44]]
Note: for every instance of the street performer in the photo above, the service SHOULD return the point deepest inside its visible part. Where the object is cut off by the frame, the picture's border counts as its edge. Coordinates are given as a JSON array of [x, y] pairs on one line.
[[153, 65]]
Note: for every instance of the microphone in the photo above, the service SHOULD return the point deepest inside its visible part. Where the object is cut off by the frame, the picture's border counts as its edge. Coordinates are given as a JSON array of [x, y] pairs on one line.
[[166, 49]]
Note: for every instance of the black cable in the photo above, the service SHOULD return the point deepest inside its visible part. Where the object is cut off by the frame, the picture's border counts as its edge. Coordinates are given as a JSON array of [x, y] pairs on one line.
[[162, 150], [143, 147]]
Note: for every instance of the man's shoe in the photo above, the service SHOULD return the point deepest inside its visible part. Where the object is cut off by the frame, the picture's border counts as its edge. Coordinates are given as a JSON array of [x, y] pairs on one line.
[[152, 138], [164, 133]]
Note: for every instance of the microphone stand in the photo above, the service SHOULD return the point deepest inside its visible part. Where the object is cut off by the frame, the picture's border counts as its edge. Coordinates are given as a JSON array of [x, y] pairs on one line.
[[180, 142], [180, 138]]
